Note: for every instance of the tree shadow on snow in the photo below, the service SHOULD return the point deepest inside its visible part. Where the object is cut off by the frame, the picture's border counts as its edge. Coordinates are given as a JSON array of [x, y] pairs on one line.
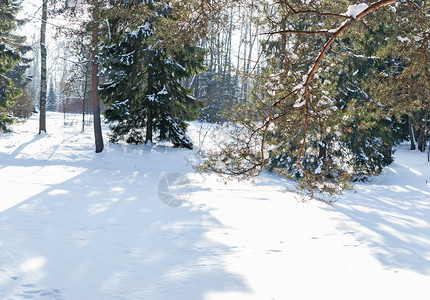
[[394, 217], [106, 235]]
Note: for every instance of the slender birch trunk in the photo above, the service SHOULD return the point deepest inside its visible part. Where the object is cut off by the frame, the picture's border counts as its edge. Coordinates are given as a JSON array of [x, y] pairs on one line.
[[84, 98]]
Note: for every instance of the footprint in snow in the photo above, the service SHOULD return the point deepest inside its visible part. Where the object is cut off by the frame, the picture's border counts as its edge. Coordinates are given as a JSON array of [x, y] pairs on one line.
[[53, 294]]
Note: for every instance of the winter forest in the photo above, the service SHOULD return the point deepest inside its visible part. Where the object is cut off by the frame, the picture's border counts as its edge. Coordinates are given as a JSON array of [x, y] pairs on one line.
[[199, 149]]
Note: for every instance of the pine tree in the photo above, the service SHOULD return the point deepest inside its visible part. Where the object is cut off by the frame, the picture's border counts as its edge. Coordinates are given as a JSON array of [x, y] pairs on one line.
[[321, 113], [11, 71], [51, 101], [144, 70], [23, 105], [368, 130], [404, 85]]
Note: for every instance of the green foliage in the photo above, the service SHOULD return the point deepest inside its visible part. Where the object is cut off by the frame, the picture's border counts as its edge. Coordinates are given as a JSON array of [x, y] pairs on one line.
[[342, 124], [11, 71], [359, 136], [404, 85], [144, 69], [219, 93], [51, 100]]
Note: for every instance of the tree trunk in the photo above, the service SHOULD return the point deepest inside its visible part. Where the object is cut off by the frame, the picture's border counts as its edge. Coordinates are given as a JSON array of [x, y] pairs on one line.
[[95, 79], [149, 113], [428, 152], [42, 103], [419, 129], [230, 34], [240, 46], [411, 132], [422, 140], [219, 49], [425, 128], [248, 62], [148, 126], [84, 98], [284, 40], [211, 50]]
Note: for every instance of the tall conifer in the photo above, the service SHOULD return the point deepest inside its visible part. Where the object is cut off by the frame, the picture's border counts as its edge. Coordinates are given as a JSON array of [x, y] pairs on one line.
[[11, 69], [144, 69]]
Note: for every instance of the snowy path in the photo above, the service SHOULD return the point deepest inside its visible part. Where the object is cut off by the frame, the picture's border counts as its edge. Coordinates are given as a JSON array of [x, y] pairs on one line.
[[80, 225]]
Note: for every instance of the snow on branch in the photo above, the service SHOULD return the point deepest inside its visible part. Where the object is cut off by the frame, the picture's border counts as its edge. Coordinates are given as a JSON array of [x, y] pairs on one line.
[[303, 103], [355, 10]]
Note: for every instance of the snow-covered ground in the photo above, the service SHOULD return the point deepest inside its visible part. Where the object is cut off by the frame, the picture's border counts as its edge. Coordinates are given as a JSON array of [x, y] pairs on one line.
[[78, 225]]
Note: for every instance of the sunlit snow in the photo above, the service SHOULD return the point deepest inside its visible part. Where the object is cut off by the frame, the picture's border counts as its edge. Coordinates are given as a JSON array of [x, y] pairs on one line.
[[79, 225]]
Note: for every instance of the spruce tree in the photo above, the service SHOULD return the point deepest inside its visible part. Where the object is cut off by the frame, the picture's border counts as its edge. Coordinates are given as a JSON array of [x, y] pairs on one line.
[[144, 69], [51, 101], [219, 93], [11, 72]]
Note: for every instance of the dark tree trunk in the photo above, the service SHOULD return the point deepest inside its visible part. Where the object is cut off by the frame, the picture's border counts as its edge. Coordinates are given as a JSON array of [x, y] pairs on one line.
[[284, 39], [425, 128], [422, 140], [149, 112], [148, 125], [95, 80], [428, 152], [197, 87], [42, 102], [411, 132]]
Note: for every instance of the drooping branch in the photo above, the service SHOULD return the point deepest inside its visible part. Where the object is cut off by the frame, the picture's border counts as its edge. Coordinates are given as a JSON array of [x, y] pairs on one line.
[[312, 12], [305, 106], [311, 73], [303, 32], [341, 30]]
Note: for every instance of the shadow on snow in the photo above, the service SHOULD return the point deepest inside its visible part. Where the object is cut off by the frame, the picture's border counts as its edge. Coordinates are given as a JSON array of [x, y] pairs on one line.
[[395, 214], [104, 234]]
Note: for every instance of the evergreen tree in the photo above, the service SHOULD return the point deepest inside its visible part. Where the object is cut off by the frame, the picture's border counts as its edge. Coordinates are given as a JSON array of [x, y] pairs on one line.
[[219, 93], [364, 138], [51, 101], [11, 71], [404, 85], [319, 113], [144, 69]]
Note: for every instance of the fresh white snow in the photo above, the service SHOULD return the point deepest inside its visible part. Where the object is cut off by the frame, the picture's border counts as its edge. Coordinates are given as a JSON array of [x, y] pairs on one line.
[[355, 10], [80, 225]]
